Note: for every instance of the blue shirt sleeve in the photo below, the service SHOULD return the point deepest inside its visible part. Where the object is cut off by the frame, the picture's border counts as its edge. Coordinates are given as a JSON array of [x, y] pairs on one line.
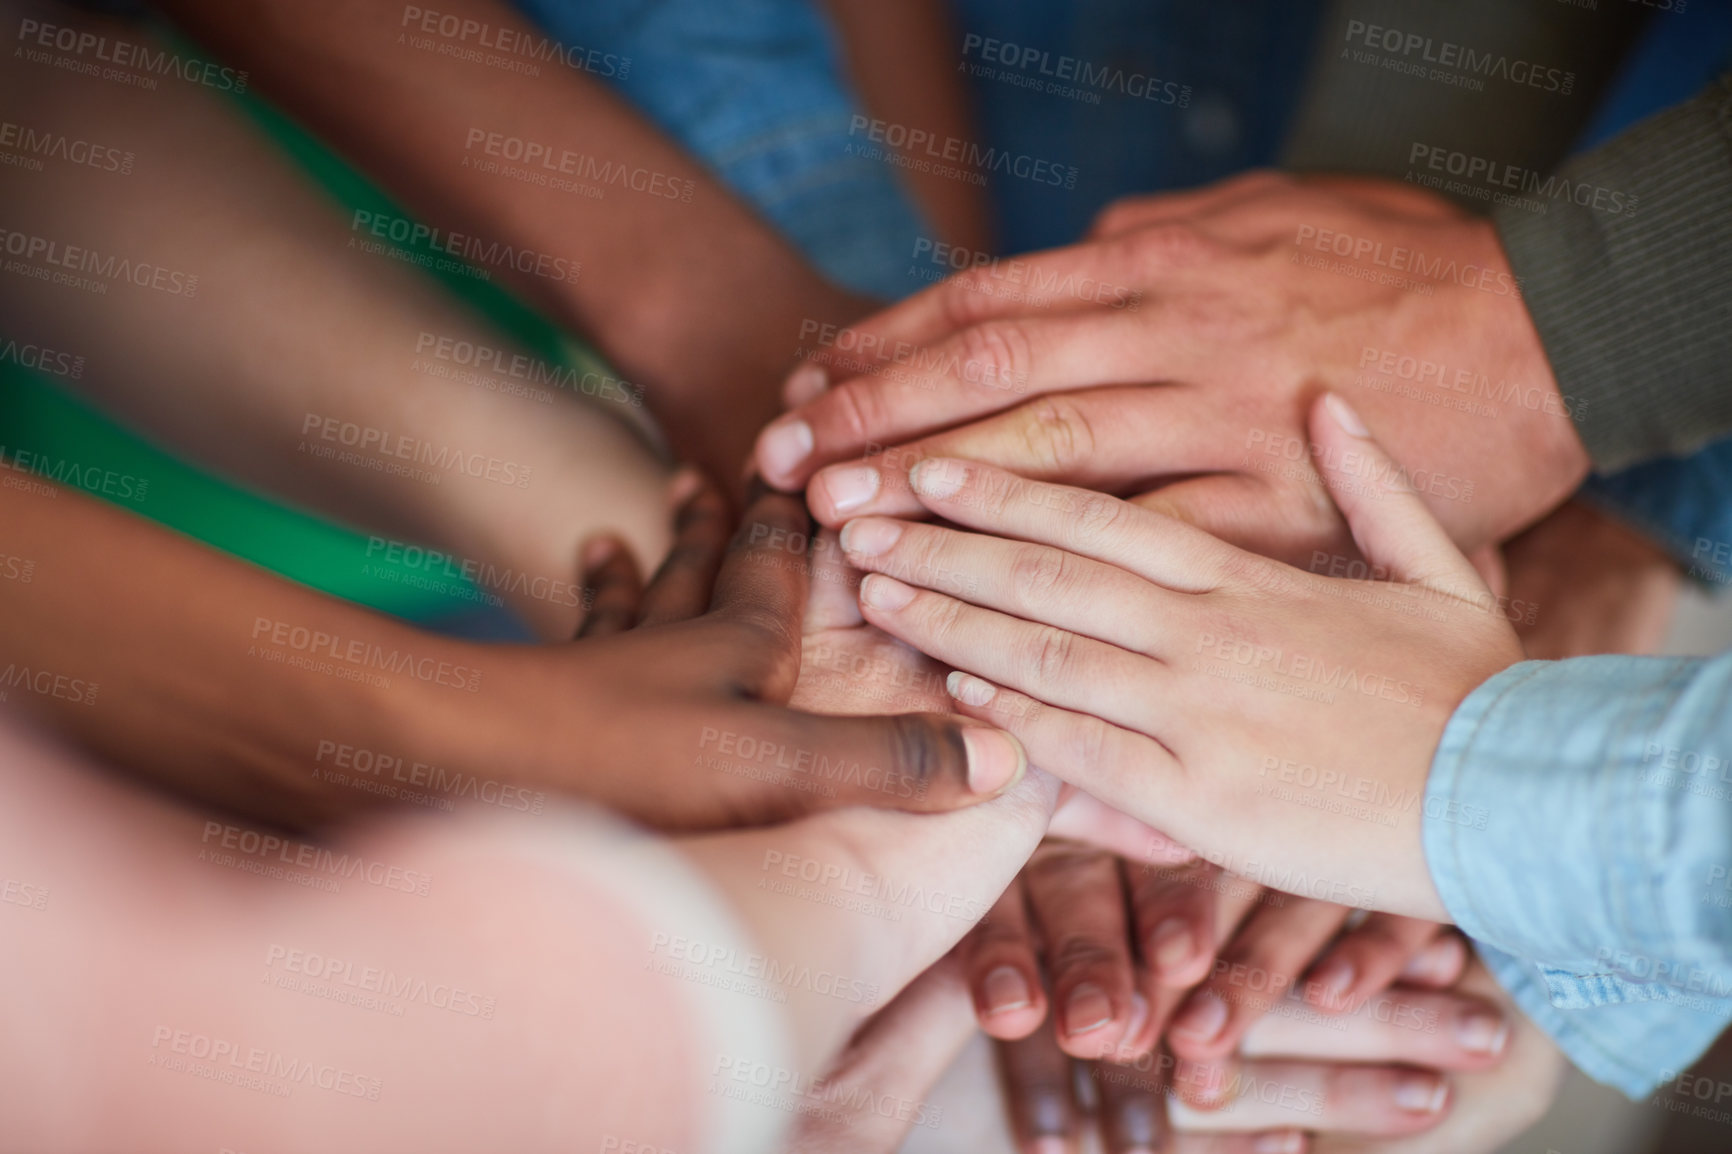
[[1579, 822], [1684, 504]]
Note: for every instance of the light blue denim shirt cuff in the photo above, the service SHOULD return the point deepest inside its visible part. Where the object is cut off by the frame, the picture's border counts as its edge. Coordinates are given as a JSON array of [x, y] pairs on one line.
[[1527, 821], [1633, 1047]]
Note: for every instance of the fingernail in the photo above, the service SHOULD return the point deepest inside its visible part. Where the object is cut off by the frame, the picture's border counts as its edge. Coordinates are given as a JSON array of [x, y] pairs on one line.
[[885, 593], [870, 537], [851, 487], [684, 486], [1421, 1093], [968, 689], [1049, 1145], [1005, 990], [1345, 416], [1202, 1017], [1170, 944], [1478, 1032], [1087, 1009], [1286, 1142], [937, 477], [783, 445], [995, 759], [598, 551], [1139, 1016], [1332, 981], [1437, 962], [804, 384]]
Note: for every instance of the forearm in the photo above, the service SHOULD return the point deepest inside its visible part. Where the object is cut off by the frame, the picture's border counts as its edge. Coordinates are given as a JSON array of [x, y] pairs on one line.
[[208, 954], [655, 262], [339, 379], [210, 676]]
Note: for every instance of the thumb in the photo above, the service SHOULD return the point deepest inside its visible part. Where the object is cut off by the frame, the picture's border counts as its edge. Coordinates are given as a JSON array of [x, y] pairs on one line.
[[1389, 520]]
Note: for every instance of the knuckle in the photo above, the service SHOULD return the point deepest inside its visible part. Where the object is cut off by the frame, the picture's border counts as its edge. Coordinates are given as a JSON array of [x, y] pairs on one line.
[[1158, 245], [1097, 516], [1057, 434], [1050, 654], [859, 407], [1039, 574], [1082, 952], [772, 646], [996, 353], [942, 615], [921, 750], [966, 298], [1085, 742]]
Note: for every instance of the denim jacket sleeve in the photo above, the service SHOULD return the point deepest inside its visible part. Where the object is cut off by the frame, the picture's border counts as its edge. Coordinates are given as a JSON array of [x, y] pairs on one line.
[[1579, 823]]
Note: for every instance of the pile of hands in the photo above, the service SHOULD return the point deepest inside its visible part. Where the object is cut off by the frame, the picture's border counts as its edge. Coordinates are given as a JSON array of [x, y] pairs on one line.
[[1113, 525]]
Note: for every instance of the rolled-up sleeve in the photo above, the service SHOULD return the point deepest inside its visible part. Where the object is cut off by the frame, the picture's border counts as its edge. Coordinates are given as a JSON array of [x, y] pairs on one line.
[[1579, 822]]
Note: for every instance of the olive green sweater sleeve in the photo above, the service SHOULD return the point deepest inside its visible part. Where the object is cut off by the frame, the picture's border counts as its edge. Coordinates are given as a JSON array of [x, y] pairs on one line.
[[1629, 281]]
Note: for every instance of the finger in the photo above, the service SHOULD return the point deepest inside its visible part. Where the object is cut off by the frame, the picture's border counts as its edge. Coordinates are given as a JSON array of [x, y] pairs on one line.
[[761, 591], [773, 764], [1384, 1101], [1365, 960], [1054, 665], [1073, 277], [1437, 1029], [1160, 549], [998, 956], [833, 598], [1278, 520], [1390, 522], [1077, 898], [1039, 1095], [1438, 965], [1124, 769], [680, 589], [1108, 439], [1266, 1142], [614, 586], [1032, 582], [1257, 968], [982, 369], [1132, 1107], [1085, 818], [1173, 912], [897, 1057]]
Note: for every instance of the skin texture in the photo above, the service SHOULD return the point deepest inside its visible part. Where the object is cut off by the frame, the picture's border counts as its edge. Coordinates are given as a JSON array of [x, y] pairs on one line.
[[1179, 350], [1125, 614], [710, 374], [190, 697]]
